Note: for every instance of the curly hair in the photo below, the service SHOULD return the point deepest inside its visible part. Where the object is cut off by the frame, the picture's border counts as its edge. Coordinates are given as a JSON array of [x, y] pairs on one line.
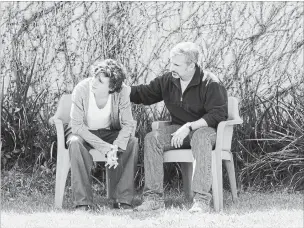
[[112, 70]]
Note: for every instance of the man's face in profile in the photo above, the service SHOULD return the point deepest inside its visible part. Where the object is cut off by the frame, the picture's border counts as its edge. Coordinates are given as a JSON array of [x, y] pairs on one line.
[[179, 67]]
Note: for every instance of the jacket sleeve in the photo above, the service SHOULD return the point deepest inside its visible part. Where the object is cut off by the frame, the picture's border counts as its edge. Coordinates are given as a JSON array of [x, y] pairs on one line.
[[78, 125], [216, 104], [127, 122], [147, 94]]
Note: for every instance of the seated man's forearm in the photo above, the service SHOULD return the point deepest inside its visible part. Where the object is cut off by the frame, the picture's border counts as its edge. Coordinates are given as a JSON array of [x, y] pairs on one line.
[[90, 138], [198, 124]]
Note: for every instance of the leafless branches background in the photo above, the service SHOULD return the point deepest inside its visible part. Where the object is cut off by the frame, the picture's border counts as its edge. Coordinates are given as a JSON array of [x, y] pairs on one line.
[[256, 49]]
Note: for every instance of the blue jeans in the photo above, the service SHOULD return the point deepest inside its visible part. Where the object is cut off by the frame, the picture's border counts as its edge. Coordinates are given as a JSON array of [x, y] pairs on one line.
[[201, 142]]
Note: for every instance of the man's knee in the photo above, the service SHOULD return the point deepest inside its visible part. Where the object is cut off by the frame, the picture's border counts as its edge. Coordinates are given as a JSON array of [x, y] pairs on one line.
[[203, 136], [133, 141], [74, 142], [133, 145], [151, 139], [75, 139]]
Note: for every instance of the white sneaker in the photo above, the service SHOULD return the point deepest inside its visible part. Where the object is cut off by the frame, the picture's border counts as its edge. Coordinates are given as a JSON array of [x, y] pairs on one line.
[[199, 206], [149, 205]]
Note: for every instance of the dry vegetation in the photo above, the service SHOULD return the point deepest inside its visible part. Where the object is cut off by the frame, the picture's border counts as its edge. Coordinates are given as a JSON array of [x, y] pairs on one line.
[[256, 49]]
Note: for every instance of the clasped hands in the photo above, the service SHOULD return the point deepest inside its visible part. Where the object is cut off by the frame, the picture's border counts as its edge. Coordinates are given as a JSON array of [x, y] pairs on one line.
[[112, 157], [179, 136]]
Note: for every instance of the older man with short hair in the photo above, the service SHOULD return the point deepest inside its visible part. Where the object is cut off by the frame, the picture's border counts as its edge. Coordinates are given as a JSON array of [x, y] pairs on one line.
[[197, 102]]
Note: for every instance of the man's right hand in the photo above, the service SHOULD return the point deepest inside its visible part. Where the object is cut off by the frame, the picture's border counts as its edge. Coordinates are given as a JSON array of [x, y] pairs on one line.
[[179, 136]]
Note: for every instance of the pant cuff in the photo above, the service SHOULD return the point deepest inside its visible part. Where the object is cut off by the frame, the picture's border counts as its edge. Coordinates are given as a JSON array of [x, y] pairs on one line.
[[83, 203], [123, 201], [202, 197]]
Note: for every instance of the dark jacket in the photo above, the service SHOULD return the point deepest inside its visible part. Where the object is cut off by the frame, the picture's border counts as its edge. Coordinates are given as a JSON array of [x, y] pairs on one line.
[[205, 97]]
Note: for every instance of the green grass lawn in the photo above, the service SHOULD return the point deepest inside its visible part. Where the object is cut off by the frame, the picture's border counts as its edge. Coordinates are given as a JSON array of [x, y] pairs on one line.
[[254, 209]]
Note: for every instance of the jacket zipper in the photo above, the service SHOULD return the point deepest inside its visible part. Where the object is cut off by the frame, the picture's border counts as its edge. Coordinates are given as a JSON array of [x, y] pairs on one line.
[[181, 99]]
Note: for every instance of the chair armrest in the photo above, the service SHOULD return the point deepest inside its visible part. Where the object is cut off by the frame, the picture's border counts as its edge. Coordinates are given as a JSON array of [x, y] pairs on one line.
[[60, 132], [221, 132], [232, 122], [159, 124], [51, 120]]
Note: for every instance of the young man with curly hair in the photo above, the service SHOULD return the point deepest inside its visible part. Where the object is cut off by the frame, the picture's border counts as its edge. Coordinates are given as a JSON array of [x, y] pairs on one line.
[[101, 118]]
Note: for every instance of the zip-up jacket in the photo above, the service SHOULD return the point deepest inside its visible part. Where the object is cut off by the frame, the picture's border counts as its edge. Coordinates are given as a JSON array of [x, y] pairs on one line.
[[205, 97]]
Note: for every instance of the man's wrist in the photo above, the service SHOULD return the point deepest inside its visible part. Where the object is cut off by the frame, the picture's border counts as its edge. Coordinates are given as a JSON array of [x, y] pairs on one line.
[[188, 125]]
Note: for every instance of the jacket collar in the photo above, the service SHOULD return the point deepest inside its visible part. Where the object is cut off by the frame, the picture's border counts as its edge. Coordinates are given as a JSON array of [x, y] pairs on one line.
[[196, 79]]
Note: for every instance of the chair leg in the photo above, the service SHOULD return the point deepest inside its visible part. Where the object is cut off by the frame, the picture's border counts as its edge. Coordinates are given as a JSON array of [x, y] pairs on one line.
[[217, 181], [231, 175], [187, 174], [62, 170], [107, 184], [220, 182]]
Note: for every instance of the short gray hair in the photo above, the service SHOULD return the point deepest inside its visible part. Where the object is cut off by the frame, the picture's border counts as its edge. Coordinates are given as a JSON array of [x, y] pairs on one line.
[[190, 50]]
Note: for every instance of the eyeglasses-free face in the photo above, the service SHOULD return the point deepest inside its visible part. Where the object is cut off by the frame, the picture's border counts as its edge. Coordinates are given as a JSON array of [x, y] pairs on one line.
[[100, 84]]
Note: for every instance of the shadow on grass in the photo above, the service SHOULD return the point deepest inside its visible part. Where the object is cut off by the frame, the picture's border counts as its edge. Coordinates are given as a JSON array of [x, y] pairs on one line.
[[27, 198], [248, 202]]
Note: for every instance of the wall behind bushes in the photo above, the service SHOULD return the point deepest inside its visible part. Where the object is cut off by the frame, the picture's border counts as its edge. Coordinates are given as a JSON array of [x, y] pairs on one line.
[[255, 48]]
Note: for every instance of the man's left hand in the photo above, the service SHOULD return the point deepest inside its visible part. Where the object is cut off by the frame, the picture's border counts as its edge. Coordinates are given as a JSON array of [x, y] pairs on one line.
[[179, 136]]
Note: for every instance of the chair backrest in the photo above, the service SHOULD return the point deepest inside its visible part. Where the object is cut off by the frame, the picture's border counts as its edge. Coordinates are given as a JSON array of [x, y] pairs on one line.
[[233, 109], [233, 114], [64, 108]]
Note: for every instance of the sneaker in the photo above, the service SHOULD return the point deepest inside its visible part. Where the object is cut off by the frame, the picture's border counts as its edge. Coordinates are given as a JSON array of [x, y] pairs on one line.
[[149, 205], [199, 206], [122, 206]]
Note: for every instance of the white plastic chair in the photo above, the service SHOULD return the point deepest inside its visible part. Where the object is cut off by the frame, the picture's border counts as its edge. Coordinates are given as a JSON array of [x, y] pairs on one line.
[[220, 153], [61, 117]]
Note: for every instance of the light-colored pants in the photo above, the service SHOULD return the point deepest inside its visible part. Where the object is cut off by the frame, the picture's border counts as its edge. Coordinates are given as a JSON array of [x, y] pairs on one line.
[[201, 141], [120, 180]]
